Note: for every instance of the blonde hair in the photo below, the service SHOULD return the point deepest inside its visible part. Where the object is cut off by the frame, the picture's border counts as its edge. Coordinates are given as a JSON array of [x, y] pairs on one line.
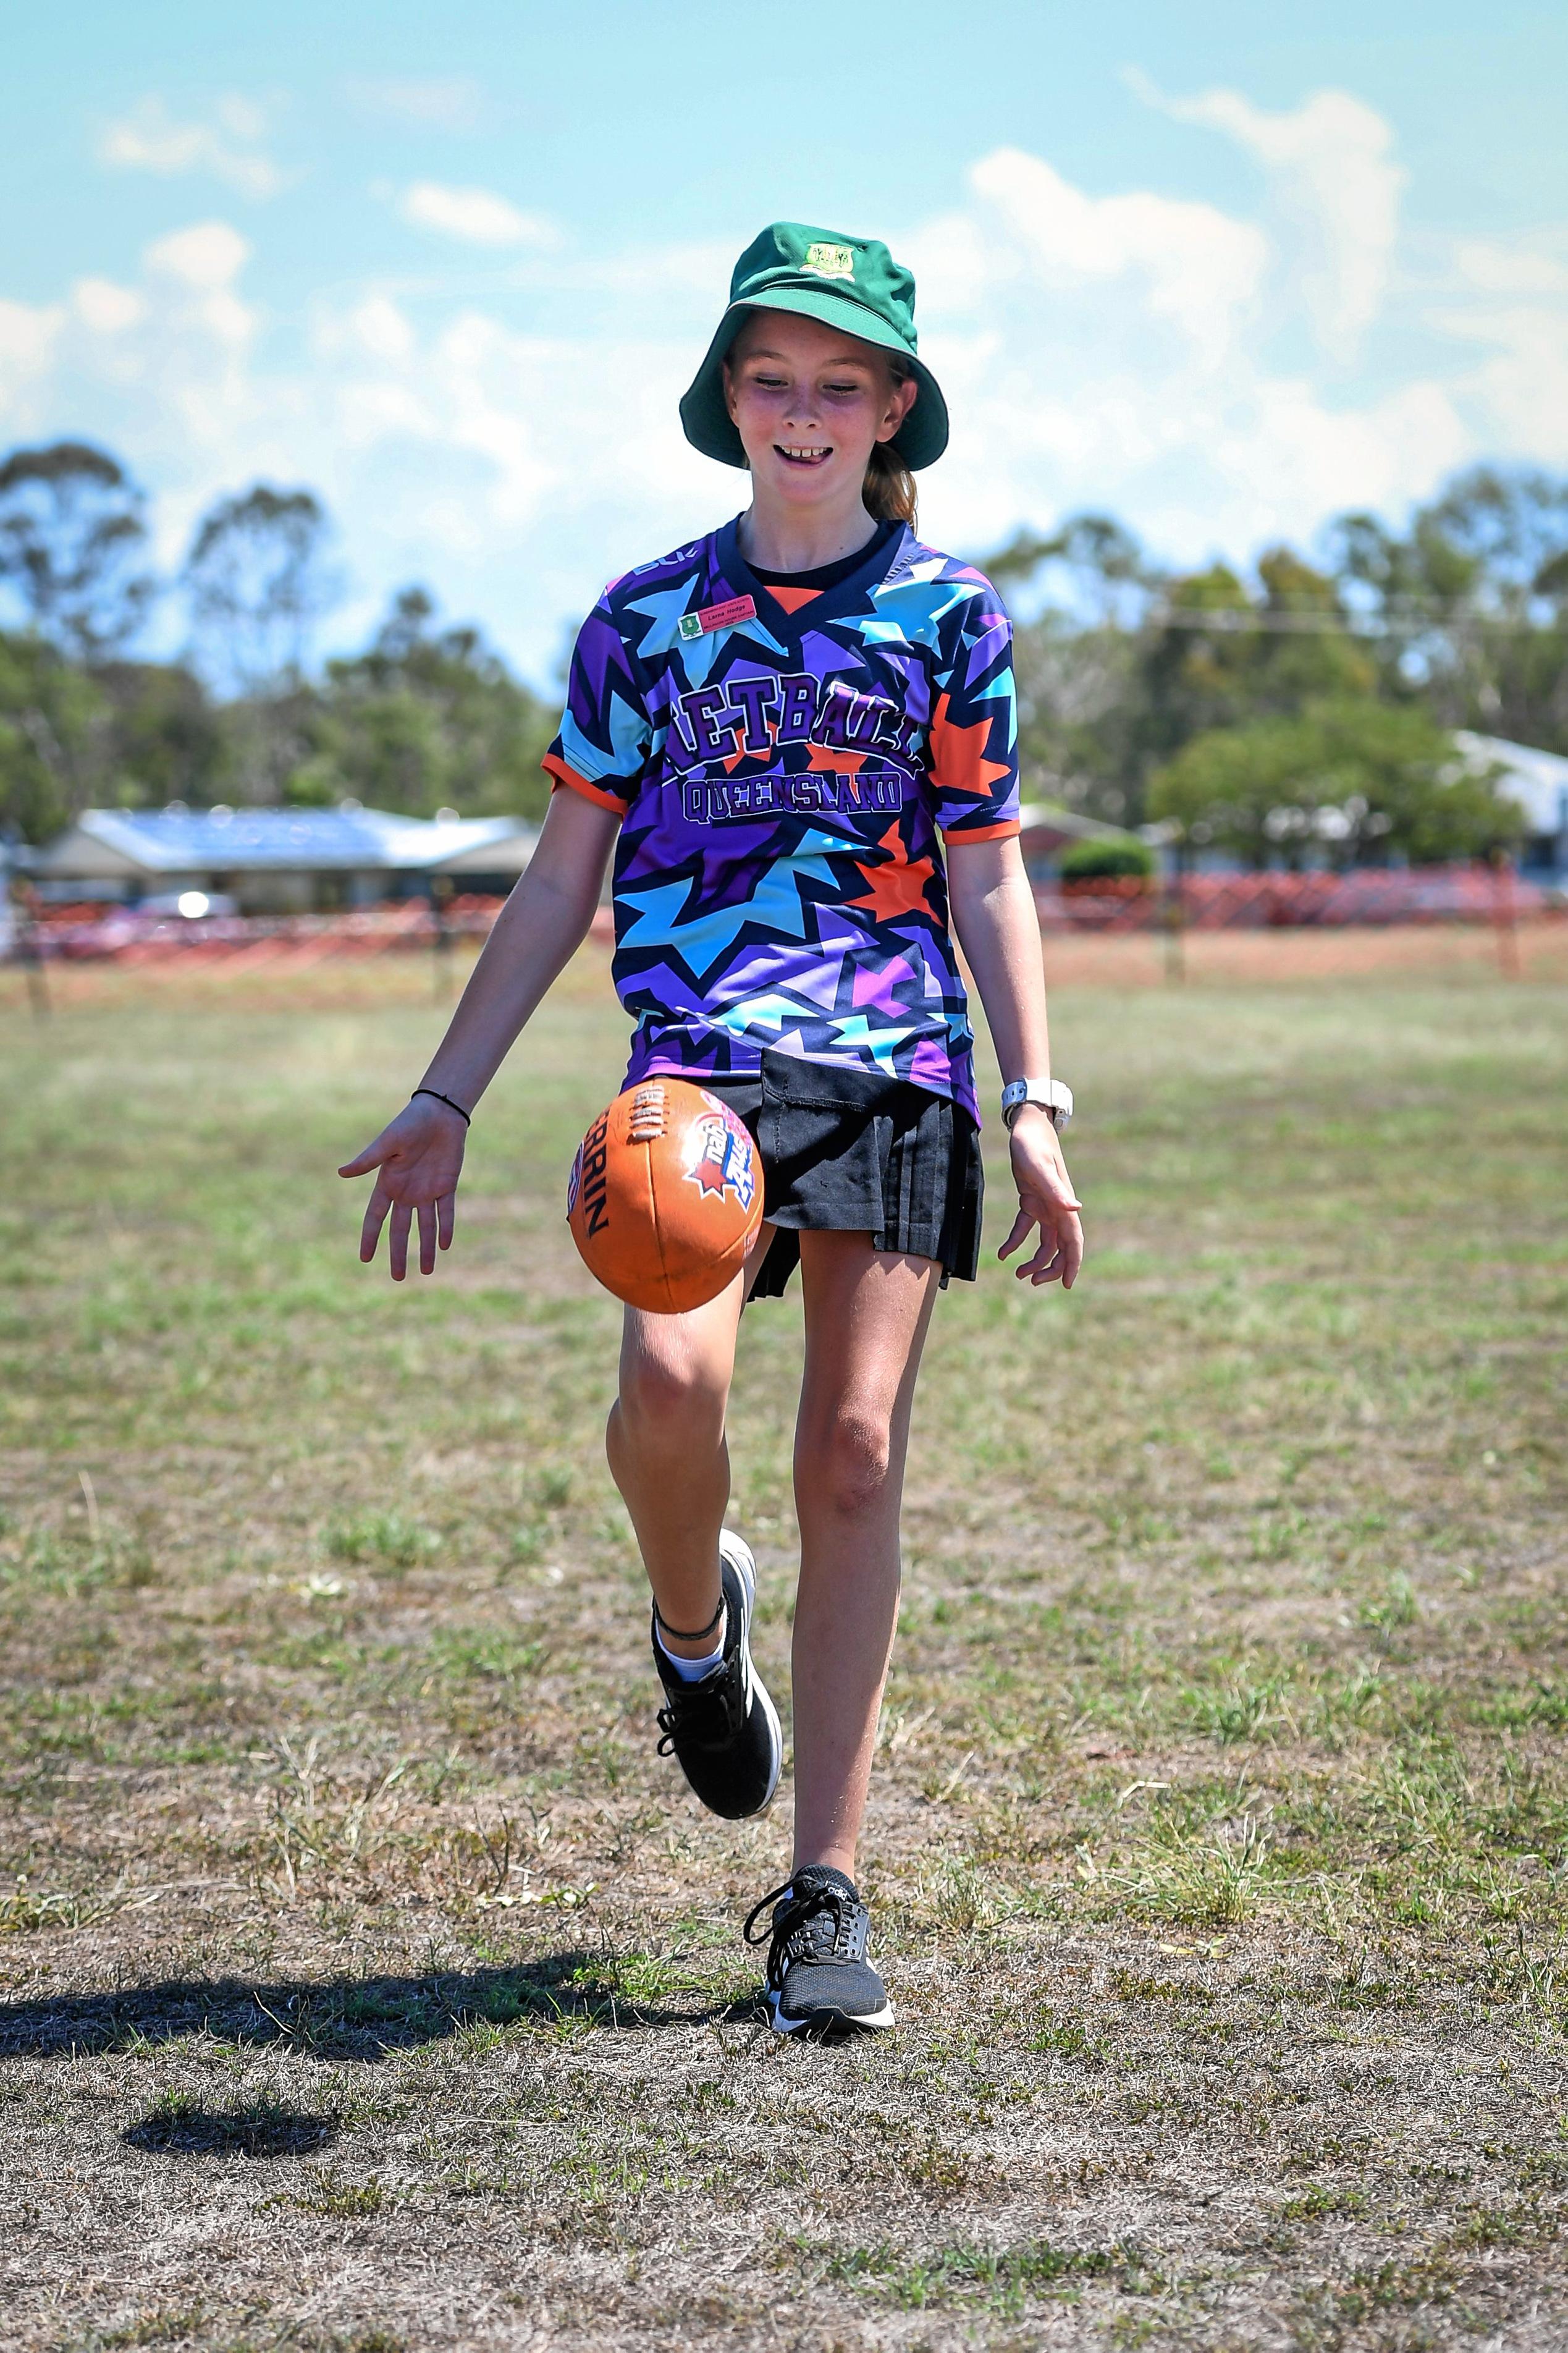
[[888, 492]]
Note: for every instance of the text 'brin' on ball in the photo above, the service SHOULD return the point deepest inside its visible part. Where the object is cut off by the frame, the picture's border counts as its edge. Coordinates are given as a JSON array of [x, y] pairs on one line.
[[665, 1195]]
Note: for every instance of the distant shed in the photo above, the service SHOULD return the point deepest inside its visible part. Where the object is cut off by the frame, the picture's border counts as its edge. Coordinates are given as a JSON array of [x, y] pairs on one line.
[[1049, 829], [280, 860], [1537, 781]]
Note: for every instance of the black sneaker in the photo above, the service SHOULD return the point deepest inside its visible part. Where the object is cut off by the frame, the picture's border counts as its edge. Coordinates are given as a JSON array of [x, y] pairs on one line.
[[818, 1978], [724, 1731]]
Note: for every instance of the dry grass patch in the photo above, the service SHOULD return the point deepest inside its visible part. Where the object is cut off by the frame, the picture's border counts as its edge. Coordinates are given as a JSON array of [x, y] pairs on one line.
[[367, 1982]]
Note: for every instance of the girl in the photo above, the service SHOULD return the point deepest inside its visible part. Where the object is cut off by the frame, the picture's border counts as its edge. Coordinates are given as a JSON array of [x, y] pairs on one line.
[[799, 735]]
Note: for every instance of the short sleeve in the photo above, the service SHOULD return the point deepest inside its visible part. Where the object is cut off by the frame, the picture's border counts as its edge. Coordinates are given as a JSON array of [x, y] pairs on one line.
[[605, 735], [974, 744]]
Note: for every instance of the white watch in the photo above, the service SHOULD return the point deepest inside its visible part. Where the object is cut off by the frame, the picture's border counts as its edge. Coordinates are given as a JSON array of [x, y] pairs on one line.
[[1054, 1099]]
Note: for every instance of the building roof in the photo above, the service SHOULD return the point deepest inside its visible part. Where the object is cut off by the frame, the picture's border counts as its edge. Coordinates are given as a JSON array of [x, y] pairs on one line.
[[1537, 780], [345, 840], [1045, 826]]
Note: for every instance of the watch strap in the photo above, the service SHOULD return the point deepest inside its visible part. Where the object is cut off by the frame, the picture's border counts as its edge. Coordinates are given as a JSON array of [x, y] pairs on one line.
[[1052, 1098]]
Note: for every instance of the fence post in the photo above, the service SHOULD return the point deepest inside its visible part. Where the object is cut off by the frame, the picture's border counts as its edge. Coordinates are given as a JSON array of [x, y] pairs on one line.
[[27, 947], [1173, 914], [1505, 915], [441, 904]]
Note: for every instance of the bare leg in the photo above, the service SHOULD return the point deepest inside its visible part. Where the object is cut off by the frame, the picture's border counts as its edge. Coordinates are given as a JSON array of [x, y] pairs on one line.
[[865, 1316], [667, 1451]]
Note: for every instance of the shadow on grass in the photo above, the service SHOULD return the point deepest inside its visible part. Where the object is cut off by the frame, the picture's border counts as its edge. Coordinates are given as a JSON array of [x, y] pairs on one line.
[[180, 2127], [362, 2018]]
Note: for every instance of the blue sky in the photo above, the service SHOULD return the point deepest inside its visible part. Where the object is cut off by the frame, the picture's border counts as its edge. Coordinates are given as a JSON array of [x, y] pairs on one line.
[[1222, 269]]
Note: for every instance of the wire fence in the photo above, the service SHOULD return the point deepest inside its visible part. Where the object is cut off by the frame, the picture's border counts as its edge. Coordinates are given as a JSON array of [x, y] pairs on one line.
[[1240, 927], [1476, 894]]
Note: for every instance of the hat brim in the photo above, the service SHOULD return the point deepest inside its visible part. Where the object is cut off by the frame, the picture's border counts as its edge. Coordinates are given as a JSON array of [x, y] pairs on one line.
[[704, 414]]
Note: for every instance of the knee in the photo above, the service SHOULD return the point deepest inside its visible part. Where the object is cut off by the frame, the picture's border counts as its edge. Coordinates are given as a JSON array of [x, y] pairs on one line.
[[663, 1403], [846, 1471]]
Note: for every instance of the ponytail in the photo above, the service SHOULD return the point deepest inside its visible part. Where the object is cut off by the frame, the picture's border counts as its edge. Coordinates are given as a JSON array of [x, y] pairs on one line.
[[888, 492], [889, 489]]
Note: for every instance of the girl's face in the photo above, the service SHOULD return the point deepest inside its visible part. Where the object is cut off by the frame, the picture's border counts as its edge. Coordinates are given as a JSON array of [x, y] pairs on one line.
[[810, 404]]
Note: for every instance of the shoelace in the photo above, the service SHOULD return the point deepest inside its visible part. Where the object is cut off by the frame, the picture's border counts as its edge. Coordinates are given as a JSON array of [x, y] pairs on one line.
[[697, 1712], [797, 1916]]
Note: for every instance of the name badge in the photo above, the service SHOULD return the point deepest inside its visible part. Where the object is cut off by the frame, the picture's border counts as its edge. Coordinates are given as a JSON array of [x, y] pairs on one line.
[[716, 616]]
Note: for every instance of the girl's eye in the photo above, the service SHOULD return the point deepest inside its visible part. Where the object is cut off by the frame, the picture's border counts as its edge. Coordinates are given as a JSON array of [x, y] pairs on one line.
[[842, 391]]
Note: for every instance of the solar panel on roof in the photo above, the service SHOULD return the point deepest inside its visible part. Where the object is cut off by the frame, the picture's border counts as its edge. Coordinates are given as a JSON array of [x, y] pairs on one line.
[[175, 840]]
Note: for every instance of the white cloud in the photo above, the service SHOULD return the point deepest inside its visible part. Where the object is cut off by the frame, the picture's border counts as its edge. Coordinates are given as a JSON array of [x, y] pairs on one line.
[[150, 140], [1492, 267], [104, 307], [441, 103], [209, 256], [475, 215], [29, 338], [1332, 169], [1190, 263], [1112, 352]]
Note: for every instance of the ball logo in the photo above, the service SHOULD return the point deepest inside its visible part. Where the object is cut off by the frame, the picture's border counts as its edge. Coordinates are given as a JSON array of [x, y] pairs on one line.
[[589, 1176], [723, 1160]]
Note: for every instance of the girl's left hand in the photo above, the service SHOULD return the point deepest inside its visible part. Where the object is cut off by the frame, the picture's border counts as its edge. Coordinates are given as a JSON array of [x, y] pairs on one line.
[[1046, 1199]]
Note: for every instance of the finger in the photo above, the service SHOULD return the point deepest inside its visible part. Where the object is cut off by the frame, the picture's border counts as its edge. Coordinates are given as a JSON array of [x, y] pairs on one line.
[[371, 1157], [1072, 1253], [426, 1237], [1045, 1265], [1060, 1256], [397, 1242], [1022, 1224], [375, 1212], [446, 1219]]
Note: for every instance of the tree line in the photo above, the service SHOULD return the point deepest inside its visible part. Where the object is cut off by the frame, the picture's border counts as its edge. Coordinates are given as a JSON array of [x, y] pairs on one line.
[[426, 717], [1302, 710], [1306, 710]]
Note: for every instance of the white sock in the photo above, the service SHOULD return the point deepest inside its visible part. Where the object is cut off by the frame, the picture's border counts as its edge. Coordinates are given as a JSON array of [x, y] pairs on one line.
[[691, 1671]]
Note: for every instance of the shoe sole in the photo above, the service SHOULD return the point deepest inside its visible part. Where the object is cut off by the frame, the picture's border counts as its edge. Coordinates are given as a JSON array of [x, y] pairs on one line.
[[830, 2021], [738, 1553]]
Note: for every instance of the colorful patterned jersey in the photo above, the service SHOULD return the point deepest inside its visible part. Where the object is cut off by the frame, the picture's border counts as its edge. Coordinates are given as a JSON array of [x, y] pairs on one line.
[[784, 760]]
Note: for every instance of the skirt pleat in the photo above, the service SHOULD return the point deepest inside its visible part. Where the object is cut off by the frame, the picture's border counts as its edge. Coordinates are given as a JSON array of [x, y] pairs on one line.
[[848, 1151]]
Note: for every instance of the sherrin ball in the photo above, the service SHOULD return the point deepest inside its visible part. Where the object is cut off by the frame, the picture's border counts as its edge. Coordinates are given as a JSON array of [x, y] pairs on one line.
[[665, 1195]]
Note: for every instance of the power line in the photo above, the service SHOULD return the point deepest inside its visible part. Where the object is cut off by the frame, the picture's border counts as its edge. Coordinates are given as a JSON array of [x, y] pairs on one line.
[[1226, 621]]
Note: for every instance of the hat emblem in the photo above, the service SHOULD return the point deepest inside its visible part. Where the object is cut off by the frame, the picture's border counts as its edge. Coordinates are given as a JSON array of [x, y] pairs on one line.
[[830, 261]]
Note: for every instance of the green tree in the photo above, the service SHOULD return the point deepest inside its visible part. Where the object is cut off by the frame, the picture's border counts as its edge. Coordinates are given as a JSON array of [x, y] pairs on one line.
[[258, 581], [427, 719], [1470, 602], [1220, 655], [1118, 858], [73, 546], [1348, 778], [1079, 699], [1121, 664], [166, 736], [56, 736]]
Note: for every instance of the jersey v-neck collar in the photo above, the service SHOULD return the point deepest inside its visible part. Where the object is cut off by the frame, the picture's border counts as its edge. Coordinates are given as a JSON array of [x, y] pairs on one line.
[[827, 603]]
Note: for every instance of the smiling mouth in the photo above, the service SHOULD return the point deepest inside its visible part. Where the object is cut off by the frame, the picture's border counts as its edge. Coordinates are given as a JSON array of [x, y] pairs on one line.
[[794, 454]]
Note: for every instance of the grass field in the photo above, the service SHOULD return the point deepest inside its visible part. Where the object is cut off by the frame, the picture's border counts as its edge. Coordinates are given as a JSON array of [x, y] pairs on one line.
[[371, 1985]]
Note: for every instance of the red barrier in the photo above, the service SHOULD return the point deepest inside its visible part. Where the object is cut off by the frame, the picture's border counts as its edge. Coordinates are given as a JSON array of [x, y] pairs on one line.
[[1194, 902], [1367, 894]]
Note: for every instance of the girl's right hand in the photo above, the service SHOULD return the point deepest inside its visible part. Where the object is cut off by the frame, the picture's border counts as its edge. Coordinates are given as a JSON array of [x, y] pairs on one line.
[[418, 1157]]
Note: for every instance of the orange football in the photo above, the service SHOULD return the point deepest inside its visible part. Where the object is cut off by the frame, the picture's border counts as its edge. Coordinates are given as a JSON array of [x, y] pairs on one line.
[[665, 1195]]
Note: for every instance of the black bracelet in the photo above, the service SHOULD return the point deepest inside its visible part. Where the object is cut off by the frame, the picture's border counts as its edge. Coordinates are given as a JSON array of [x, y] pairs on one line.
[[702, 1632], [437, 1096]]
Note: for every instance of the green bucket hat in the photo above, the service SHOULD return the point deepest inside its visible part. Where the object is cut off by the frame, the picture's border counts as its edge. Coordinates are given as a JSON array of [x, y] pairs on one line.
[[852, 282]]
